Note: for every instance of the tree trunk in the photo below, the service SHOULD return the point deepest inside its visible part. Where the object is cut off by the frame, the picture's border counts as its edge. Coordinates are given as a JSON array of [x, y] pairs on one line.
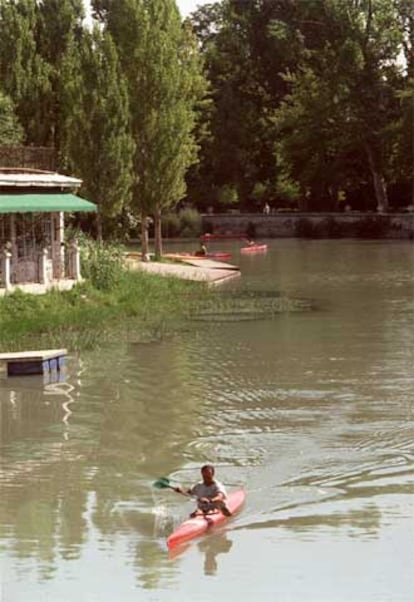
[[157, 233], [412, 177], [99, 227], [144, 236], [379, 182]]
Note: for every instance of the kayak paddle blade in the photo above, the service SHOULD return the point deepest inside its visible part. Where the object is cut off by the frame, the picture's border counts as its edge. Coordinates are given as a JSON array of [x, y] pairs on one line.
[[162, 483]]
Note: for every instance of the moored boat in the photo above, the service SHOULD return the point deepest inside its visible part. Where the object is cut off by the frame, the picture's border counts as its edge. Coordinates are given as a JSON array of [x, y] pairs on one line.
[[194, 527], [254, 249]]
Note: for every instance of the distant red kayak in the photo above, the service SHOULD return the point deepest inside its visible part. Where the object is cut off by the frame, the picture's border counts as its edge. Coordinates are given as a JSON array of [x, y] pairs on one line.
[[254, 249], [193, 527]]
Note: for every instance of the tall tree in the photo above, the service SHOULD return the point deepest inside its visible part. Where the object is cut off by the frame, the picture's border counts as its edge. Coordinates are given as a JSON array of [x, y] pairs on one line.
[[160, 60], [246, 46], [355, 58], [99, 144], [405, 156], [38, 59], [59, 35]]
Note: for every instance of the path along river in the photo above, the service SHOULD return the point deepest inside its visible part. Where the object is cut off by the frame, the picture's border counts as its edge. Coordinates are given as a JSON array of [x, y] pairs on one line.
[[312, 412]]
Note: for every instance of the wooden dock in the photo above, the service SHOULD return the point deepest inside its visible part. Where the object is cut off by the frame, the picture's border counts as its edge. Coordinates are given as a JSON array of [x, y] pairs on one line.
[[21, 363]]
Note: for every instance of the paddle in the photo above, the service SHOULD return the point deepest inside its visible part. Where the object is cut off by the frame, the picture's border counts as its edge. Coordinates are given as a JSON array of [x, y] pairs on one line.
[[164, 483]]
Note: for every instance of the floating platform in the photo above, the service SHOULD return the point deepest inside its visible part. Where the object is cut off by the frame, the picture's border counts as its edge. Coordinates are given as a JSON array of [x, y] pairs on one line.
[[22, 363]]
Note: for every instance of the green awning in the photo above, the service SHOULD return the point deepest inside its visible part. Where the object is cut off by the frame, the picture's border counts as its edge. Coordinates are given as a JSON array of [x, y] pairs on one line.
[[43, 203]]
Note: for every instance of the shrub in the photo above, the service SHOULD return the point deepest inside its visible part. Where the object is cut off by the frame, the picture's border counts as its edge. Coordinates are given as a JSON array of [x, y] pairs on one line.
[[102, 263]]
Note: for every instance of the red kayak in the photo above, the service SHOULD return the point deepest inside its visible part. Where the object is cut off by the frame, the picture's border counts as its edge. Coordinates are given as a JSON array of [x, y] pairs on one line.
[[193, 527], [254, 249]]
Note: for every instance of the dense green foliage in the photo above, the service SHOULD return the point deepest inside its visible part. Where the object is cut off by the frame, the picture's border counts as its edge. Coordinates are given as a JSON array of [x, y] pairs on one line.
[[303, 103], [185, 223], [117, 103], [11, 131], [312, 101]]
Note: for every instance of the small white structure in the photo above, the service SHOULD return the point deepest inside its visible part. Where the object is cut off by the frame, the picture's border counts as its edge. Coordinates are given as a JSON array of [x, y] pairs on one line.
[[33, 252]]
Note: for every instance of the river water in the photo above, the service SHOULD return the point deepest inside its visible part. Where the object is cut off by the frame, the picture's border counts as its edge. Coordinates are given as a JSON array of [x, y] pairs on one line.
[[312, 412]]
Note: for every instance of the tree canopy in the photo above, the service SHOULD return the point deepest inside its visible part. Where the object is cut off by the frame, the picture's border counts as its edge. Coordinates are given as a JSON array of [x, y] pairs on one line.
[[306, 104]]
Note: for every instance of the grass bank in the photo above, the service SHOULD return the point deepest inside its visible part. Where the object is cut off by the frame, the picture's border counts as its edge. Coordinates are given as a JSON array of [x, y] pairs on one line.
[[114, 304], [138, 307]]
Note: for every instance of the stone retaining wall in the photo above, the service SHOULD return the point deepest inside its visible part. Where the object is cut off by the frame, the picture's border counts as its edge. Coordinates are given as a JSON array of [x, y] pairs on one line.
[[312, 225]]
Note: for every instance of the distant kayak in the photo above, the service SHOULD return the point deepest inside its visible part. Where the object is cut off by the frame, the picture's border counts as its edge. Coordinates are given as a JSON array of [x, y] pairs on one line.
[[194, 527], [254, 249]]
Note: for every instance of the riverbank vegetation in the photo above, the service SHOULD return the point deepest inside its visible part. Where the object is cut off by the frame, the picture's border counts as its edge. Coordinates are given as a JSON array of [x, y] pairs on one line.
[[114, 304], [139, 307], [307, 105]]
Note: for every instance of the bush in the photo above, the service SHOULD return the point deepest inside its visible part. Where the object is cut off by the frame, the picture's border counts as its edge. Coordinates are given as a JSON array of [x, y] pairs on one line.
[[186, 223], [102, 263]]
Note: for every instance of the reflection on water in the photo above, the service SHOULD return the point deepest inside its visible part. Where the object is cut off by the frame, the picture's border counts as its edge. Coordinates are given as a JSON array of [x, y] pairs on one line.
[[211, 547], [312, 411]]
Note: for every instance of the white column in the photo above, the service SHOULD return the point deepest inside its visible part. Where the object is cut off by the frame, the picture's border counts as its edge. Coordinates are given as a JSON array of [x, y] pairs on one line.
[[43, 266]]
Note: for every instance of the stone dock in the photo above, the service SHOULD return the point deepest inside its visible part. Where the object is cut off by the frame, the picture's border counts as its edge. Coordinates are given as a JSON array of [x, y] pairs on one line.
[[209, 271]]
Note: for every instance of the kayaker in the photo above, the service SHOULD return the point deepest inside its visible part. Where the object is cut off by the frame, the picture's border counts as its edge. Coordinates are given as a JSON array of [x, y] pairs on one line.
[[210, 493], [202, 250]]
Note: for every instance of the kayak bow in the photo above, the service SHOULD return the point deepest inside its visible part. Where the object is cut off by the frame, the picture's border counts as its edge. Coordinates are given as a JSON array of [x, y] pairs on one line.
[[193, 527]]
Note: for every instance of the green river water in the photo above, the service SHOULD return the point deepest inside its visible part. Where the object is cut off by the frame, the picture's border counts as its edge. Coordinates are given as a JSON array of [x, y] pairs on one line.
[[311, 411]]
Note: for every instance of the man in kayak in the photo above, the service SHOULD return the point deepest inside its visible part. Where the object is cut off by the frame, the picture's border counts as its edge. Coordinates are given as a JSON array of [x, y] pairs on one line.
[[210, 494], [202, 251]]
